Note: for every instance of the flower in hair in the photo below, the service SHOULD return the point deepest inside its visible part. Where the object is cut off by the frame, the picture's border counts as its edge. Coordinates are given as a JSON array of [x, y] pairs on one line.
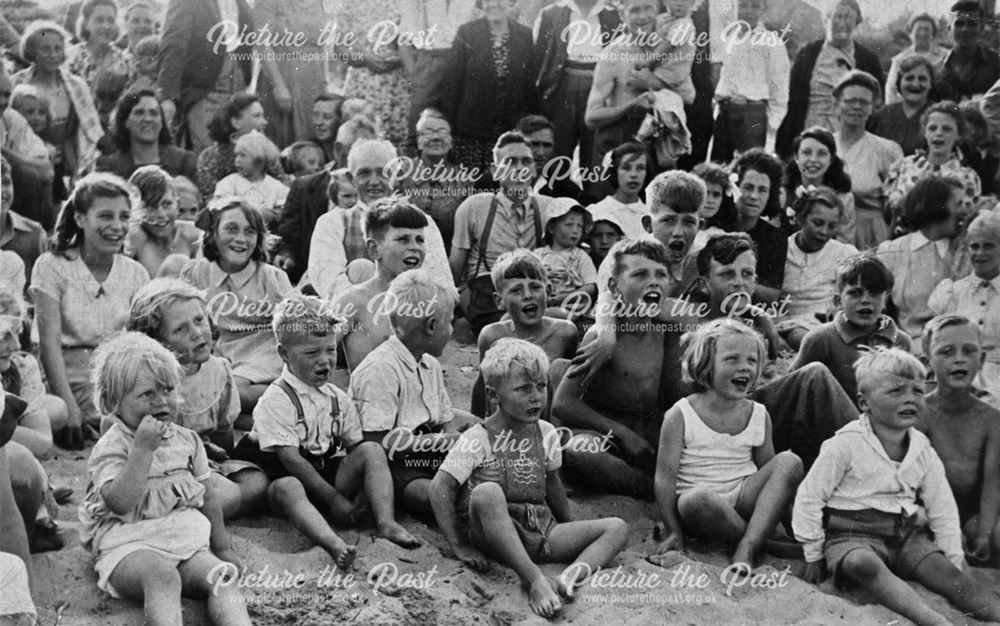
[[803, 192]]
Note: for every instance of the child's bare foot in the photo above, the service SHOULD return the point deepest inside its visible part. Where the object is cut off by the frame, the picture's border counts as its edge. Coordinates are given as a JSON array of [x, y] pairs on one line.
[[343, 554], [398, 535], [543, 598], [565, 588]]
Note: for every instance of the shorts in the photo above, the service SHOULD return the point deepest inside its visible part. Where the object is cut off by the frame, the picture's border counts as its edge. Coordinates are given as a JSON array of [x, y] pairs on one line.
[[898, 540], [533, 523], [247, 449], [729, 491]]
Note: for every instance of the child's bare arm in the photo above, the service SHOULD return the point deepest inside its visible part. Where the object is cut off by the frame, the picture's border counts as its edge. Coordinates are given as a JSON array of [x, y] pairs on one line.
[[665, 481], [442, 493], [763, 453], [555, 497], [989, 500], [125, 491]]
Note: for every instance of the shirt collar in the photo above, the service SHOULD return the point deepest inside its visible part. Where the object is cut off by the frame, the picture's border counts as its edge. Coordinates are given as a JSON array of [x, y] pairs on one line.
[[884, 328], [404, 355], [863, 425], [848, 53], [300, 386], [217, 276]]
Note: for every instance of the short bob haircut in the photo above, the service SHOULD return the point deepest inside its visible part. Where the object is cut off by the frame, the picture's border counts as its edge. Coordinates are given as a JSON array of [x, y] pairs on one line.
[[211, 218], [698, 361], [939, 323], [987, 223], [87, 190], [630, 150], [392, 212], [129, 100], [515, 265], [500, 359], [947, 107], [118, 361], [152, 300], [682, 191], [882, 362], [299, 316], [857, 78], [713, 174], [647, 248], [804, 204], [24, 92], [724, 249], [866, 270], [416, 292], [220, 128], [835, 177], [756, 159], [86, 10], [262, 150], [34, 31], [909, 64], [927, 202]]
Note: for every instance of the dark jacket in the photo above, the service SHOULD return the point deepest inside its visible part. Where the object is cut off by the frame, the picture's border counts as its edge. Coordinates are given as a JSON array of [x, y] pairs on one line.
[[174, 161], [550, 47], [798, 90], [189, 67], [306, 202], [473, 100]]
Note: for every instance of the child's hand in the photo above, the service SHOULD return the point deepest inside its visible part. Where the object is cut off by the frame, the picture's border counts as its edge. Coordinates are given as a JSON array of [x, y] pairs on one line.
[[149, 434], [343, 511], [591, 357], [979, 549], [215, 453], [815, 572], [471, 557], [673, 541]]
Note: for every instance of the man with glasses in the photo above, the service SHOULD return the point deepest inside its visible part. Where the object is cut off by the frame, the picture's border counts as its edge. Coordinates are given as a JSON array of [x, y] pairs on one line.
[[970, 68]]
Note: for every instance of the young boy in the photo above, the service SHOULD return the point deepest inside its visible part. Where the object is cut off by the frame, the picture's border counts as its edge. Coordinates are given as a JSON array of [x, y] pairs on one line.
[[399, 387], [513, 505], [519, 280], [964, 431], [863, 284], [623, 400], [394, 231], [856, 510], [307, 434]]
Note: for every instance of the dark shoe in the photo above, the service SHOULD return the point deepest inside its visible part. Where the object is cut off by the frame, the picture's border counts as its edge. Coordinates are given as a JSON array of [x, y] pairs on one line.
[[46, 538]]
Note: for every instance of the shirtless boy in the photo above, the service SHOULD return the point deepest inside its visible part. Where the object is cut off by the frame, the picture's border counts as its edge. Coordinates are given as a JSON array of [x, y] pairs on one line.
[[965, 431]]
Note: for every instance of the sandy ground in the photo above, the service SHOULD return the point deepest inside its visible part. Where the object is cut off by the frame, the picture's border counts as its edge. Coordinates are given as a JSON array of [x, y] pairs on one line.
[[394, 586]]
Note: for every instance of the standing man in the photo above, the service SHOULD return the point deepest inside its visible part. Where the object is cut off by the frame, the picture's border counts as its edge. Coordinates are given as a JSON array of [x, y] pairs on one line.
[[201, 65], [569, 36], [551, 178], [970, 68]]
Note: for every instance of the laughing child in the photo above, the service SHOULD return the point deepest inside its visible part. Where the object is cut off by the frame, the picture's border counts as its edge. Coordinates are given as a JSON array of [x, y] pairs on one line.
[[964, 431], [512, 504], [156, 237]]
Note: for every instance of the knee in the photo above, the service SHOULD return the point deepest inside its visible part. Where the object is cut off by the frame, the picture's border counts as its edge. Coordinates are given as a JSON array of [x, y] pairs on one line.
[[487, 495], [162, 577], [788, 466], [284, 491], [371, 451], [699, 502], [618, 530], [861, 566], [55, 408]]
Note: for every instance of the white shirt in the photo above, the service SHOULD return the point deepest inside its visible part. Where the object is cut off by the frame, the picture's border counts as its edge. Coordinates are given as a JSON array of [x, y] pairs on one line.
[[721, 13], [811, 278], [589, 49], [327, 264], [627, 216], [433, 24]]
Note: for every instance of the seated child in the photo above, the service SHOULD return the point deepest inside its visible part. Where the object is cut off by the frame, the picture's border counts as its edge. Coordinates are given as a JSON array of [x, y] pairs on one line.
[[302, 158], [856, 512], [341, 191], [572, 277], [399, 387], [188, 198], [627, 176], [253, 154], [716, 472], [976, 296], [606, 232], [964, 431], [307, 429], [519, 279], [148, 515], [174, 313], [22, 377], [156, 237], [147, 66], [863, 284], [718, 208], [513, 505], [622, 400]]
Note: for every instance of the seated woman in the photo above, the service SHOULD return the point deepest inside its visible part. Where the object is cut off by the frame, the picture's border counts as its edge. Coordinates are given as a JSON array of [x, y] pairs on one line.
[[81, 290], [242, 291], [239, 115], [811, 265], [900, 121], [816, 164], [156, 236], [758, 189], [141, 137]]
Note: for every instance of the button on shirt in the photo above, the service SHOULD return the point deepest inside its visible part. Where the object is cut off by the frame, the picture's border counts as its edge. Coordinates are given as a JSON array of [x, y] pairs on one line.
[[976, 299], [393, 390], [513, 228], [853, 472]]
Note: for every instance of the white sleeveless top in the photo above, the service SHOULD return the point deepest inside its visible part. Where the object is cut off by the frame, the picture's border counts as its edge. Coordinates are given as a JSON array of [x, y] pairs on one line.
[[718, 460]]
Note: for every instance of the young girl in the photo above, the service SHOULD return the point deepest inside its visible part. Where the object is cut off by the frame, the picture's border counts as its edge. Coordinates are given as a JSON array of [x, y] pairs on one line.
[[341, 190], [81, 290], [302, 158], [174, 313], [816, 164], [628, 175], [718, 208], [36, 109], [569, 269], [811, 265], [188, 198], [148, 515], [253, 153], [242, 291], [716, 471], [155, 237]]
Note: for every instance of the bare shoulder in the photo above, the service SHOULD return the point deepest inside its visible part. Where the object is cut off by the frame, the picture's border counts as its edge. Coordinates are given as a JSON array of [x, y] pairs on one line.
[[492, 333], [188, 232]]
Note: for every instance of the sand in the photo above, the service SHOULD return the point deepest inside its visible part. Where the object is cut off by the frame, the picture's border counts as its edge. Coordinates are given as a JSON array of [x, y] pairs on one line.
[[294, 583]]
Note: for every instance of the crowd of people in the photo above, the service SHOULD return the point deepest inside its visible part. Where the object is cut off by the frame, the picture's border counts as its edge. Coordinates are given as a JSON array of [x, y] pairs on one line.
[[238, 281]]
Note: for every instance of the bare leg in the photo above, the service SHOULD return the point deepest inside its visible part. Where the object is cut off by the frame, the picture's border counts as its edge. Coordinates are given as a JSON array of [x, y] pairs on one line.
[[593, 543], [55, 408], [244, 493], [865, 568], [28, 481], [493, 530], [416, 497], [288, 496], [146, 576], [705, 513], [765, 499], [603, 471], [366, 467], [34, 432], [939, 575], [198, 576]]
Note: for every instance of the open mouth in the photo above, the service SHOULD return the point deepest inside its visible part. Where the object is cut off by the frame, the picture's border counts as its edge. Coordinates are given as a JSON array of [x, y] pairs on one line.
[[865, 312], [163, 416], [653, 297], [958, 374], [534, 411], [411, 262], [156, 224], [322, 373], [741, 383], [677, 246], [238, 249], [530, 309], [909, 413]]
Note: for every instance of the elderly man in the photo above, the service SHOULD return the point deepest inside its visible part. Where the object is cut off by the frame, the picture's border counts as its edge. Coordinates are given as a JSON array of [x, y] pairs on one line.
[[970, 68], [490, 224], [338, 237]]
